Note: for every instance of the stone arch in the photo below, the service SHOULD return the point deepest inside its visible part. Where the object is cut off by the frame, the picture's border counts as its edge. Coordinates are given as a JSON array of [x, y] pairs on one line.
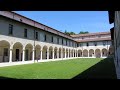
[[79, 53], [85, 53], [4, 51], [66, 52], [17, 52], [91, 53], [97, 53], [28, 52], [63, 54], [44, 52], [60, 53], [50, 52], [104, 52], [55, 52], [111, 51], [37, 52]]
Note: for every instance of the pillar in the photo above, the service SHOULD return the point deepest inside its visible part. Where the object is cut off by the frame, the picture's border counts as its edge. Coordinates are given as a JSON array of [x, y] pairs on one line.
[[65, 53], [57, 53], [33, 55], [10, 59], [23, 56], [53, 54], [100, 53], [61, 53], [47, 54], [88, 54], [41, 54], [68, 53]]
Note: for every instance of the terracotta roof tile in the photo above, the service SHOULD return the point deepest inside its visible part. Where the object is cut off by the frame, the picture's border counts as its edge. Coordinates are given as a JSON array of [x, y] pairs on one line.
[[90, 34], [90, 40]]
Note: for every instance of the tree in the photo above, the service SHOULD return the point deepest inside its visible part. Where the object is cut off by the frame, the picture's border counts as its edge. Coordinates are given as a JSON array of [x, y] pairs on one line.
[[72, 33], [82, 32], [67, 32]]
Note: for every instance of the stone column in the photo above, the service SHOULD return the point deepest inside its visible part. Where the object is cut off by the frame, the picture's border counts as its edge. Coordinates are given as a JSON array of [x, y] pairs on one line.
[[41, 54], [33, 55], [88, 53], [47, 54], [68, 53], [23, 56], [65, 53], [82, 53], [10, 59], [53, 54], [61, 53], [73, 53], [57, 53], [100, 53]]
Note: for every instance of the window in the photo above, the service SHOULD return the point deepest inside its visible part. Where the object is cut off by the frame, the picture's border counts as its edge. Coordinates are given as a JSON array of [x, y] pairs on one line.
[[80, 44], [72, 44], [62, 40], [45, 37], [25, 33], [104, 43], [95, 43], [82, 37], [77, 44], [10, 29], [52, 39], [36, 35], [87, 44], [69, 43], [66, 42], [57, 40], [99, 36]]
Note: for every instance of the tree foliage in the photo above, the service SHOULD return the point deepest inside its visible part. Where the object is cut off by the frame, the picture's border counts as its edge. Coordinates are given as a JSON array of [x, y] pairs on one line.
[[69, 33], [82, 32]]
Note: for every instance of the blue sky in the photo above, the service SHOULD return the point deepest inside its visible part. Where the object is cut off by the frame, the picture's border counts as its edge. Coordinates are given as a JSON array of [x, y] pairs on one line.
[[76, 21]]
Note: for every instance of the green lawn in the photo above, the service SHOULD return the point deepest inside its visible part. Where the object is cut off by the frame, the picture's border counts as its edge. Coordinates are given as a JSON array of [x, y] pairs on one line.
[[67, 69]]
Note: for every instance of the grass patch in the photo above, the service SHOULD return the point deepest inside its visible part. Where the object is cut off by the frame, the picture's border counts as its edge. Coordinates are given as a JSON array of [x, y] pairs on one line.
[[66, 69]]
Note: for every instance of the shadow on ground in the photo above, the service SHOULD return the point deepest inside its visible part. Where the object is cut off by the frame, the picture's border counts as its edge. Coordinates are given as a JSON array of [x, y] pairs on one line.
[[1, 77], [105, 69]]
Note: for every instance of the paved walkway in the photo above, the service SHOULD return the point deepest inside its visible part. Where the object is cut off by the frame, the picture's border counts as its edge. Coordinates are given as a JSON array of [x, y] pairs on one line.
[[30, 62]]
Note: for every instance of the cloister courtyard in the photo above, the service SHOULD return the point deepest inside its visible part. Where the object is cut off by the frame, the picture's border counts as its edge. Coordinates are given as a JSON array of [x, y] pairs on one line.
[[79, 68]]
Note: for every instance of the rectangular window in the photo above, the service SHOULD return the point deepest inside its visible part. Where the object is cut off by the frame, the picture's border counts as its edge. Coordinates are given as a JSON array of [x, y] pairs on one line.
[[45, 37], [25, 33], [10, 29], [104, 43], [36, 35], [95, 43], [52, 39], [77, 44], [87, 44], [72, 44], [80, 44], [69, 43], [57, 40], [66, 42], [62, 41]]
